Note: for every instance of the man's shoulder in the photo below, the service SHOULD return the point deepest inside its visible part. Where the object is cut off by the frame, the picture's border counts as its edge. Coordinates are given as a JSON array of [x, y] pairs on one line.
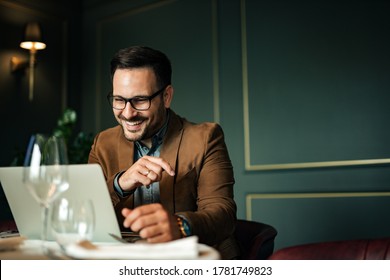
[[196, 133], [202, 130]]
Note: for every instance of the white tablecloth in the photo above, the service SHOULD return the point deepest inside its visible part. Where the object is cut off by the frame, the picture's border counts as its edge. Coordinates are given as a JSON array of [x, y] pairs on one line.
[[184, 248]]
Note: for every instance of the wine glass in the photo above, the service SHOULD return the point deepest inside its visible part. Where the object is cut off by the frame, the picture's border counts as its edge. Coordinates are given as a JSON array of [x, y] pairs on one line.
[[46, 173], [72, 220]]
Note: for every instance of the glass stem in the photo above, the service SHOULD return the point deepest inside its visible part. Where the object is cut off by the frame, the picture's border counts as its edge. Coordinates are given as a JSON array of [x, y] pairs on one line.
[[45, 219]]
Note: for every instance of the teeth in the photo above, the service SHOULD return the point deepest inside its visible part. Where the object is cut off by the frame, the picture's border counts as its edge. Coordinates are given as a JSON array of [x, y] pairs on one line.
[[134, 123]]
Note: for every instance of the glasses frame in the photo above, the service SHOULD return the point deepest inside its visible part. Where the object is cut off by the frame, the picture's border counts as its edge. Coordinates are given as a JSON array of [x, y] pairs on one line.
[[110, 97]]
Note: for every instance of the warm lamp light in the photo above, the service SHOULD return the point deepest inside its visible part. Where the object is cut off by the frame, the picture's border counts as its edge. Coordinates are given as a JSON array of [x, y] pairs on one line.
[[32, 45], [32, 41]]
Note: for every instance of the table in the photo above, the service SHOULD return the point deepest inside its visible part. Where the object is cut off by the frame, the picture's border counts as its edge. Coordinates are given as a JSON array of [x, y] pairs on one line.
[[32, 250]]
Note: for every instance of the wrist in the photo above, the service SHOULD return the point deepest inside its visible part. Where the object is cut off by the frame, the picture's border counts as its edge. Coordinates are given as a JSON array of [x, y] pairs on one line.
[[184, 226], [118, 188]]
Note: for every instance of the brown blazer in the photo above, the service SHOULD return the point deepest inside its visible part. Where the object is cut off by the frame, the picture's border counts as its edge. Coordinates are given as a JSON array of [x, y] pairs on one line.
[[201, 190]]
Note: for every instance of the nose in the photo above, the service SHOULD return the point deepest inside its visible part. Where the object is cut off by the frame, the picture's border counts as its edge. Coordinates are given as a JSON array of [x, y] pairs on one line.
[[129, 112]]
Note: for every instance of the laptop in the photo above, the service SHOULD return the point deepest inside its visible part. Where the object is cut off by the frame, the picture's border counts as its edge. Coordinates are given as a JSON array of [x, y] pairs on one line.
[[86, 181]]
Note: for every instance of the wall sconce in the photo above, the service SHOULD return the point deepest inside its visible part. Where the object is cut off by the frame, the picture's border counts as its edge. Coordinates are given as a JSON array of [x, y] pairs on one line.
[[32, 41]]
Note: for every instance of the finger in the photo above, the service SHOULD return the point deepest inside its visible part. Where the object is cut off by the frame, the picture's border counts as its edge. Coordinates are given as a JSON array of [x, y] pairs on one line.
[[161, 232], [154, 171], [159, 238], [141, 175], [149, 169], [153, 176], [144, 170], [138, 212], [125, 211], [138, 179], [146, 225], [162, 163], [133, 178]]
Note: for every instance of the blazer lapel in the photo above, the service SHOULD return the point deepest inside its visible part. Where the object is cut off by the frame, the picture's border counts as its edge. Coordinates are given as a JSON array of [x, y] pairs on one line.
[[126, 159], [169, 152], [126, 156]]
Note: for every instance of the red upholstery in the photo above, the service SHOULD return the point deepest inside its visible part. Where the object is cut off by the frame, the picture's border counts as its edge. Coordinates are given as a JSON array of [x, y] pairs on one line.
[[256, 240], [364, 249], [8, 225]]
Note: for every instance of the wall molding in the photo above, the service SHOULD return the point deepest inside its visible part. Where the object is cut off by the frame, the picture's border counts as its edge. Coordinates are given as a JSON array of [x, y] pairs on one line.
[[250, 197], [246, 119]]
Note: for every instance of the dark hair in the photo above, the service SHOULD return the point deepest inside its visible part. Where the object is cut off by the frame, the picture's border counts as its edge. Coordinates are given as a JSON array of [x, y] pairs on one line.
[[143, 57]]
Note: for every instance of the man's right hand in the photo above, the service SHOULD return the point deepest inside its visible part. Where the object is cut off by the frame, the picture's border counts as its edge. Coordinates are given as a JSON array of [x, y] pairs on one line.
[[144, 172]]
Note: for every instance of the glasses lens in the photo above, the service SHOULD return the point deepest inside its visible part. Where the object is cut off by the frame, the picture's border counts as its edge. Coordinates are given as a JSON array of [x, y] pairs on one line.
[[140, 103], [117, 102]]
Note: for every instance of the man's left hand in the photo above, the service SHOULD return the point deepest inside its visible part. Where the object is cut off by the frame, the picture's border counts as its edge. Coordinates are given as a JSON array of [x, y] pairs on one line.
[[152, 222]]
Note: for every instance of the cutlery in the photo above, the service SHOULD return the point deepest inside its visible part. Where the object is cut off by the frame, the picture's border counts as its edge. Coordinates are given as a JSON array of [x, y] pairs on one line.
[[127, 237]]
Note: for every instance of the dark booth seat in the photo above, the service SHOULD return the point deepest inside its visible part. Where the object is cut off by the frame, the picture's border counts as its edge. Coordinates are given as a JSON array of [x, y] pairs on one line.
[[363, 249], [256, 240]]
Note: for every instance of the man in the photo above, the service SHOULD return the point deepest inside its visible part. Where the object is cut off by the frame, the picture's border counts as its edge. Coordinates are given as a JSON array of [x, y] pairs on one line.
[[168, 178]]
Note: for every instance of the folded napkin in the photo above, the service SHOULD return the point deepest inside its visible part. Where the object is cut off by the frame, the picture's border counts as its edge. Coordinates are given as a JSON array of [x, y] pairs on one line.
[[185, 248]]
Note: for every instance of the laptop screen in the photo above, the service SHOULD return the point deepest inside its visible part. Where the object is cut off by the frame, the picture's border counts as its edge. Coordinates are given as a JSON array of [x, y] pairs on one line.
[[86, 181]]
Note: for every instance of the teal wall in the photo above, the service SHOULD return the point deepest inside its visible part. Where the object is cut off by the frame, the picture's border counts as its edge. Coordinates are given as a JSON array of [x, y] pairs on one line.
[[301, 89], [56, 75]]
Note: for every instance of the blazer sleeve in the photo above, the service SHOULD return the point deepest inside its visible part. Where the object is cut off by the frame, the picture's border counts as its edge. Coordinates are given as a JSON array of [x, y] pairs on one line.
[[98, 154], [215, 217]]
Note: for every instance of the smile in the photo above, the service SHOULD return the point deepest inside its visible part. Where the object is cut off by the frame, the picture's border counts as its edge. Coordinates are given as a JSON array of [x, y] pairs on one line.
[[133, 126], [133, 123]]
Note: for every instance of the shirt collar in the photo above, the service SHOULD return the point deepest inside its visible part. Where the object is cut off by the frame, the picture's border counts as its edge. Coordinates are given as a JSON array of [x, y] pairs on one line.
[[157, 139]]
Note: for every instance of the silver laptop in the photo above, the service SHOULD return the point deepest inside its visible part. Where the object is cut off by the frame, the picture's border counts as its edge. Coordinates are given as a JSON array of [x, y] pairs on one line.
[[85, 181]]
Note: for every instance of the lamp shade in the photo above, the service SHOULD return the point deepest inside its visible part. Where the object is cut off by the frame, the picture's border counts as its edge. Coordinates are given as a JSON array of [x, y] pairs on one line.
[[32, 38]]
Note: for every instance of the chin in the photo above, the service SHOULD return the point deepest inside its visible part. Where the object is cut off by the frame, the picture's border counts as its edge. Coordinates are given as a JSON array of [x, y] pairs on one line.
[[132, 135]]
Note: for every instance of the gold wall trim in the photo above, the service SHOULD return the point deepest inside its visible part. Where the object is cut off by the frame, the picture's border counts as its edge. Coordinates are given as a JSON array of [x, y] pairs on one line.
[[215, 55], [245, 90], [245, 94], [136, 10], [251, 197], [320, 164]]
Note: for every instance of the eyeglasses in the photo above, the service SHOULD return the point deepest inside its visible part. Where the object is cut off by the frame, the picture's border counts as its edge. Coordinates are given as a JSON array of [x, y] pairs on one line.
[[140, 103]]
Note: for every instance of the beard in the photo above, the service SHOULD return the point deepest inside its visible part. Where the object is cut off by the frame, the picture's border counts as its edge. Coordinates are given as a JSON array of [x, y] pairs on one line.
[[139, 132], [141, 128]]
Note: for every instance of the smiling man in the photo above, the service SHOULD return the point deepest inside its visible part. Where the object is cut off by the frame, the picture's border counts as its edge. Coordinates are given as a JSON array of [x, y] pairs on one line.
[[168, 178]]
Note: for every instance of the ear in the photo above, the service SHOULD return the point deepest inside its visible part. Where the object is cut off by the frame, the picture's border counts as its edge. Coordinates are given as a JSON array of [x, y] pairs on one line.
[[168, 95]]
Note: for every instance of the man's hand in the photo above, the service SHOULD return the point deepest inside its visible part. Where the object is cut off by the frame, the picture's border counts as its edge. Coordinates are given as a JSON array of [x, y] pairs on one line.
[[143, 172], [152, 222]]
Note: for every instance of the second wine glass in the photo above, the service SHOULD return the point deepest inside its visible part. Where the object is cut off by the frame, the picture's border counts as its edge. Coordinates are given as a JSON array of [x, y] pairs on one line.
[[72, 221], [46, 172]]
